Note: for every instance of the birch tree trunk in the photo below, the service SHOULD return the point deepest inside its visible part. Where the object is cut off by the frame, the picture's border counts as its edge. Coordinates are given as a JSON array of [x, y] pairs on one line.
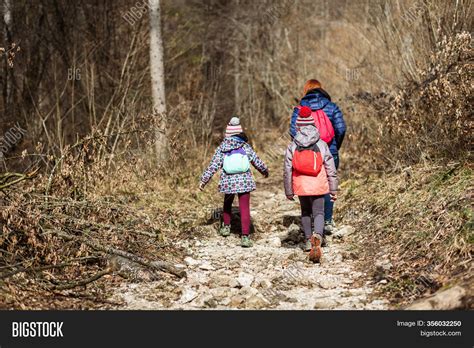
[[158, 79], [7, 19], [7, 16]]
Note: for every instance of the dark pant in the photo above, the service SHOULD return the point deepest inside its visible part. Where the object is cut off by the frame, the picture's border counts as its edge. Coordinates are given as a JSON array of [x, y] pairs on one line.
[[328, 205], [244, 206], [312, 206]]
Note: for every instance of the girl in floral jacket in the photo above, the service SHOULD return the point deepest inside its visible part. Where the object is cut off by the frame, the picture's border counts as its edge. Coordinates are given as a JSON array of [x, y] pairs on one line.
[[241, 184]]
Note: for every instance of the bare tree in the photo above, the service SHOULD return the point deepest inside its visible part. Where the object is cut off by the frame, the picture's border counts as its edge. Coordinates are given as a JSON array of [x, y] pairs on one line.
[[158, 78], [7, 19]]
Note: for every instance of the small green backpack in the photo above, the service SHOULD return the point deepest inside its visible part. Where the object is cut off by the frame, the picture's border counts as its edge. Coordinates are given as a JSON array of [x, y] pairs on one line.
[[236, 162]]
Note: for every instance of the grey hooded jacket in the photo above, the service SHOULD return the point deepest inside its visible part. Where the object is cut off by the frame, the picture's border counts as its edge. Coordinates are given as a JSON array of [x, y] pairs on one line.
[[306, 137]]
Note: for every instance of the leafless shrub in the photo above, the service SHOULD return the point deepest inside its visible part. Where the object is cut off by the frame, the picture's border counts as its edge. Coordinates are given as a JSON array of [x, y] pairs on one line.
[[424, 121]]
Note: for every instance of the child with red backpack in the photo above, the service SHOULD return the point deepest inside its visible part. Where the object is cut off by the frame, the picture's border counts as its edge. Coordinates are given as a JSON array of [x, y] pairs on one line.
[[233, 157], [332, 127], [310, 173]]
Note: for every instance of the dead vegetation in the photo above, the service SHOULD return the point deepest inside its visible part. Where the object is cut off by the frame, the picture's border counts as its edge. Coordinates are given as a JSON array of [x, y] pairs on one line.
[[414, 209], [414, 228], [63, 232], [61, 244], [423, 122]]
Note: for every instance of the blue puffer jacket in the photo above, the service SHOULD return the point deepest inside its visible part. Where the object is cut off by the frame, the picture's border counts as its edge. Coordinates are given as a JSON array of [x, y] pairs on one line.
[[316, 100]]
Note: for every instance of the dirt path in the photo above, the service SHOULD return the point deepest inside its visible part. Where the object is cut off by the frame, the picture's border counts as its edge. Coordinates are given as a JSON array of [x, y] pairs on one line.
[[274, 274]]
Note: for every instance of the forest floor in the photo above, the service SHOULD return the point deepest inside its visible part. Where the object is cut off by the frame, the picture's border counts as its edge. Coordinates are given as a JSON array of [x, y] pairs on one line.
[[274, 274]]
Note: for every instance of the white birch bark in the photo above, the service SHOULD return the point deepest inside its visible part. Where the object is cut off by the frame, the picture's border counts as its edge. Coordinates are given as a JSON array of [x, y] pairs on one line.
[[157, 72], [7, 14], [7, 18]]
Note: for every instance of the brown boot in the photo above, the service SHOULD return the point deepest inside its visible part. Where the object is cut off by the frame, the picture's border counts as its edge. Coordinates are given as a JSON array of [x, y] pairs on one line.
[[315, 253]]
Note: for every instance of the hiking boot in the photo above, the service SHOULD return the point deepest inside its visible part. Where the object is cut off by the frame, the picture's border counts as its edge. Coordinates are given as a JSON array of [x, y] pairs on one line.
[[329, 227], [315, 253], [324, 243], [225, 231], [246, 242], [307, 245]]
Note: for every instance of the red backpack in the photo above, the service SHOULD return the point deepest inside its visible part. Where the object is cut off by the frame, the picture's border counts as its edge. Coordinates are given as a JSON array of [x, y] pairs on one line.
[[323, 124], [307, 160]]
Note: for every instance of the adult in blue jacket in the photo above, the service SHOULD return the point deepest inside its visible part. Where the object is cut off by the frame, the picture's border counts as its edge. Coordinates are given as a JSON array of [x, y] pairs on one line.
[[317, 98]]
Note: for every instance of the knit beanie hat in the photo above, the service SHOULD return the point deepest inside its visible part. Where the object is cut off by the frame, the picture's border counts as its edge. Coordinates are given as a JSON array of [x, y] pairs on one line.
[[234, 127], [304, 117]]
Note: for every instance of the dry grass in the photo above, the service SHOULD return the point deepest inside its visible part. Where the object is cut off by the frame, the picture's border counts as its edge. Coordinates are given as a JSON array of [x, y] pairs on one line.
[[420, 220]]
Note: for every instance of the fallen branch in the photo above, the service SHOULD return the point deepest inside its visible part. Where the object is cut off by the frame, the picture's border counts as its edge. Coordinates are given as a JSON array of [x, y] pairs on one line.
[[17, 177], [131, 270], [45, 268], [162, 266], [109, 226], [84, 297], [82, 282]]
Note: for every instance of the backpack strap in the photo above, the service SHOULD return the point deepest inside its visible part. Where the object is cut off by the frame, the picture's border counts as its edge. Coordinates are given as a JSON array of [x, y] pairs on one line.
[[239, 150], [313, 147]]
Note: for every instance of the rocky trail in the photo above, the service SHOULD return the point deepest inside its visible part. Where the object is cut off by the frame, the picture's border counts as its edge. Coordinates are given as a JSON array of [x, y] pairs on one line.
[[274, 274]]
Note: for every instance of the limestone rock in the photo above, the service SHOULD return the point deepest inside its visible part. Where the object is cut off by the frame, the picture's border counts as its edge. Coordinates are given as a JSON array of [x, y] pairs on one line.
[[247, 292], [452, 298], [207, 267], [220, 280], [264, 284], [190, 261], [344, 231], [325, 303], [274, 242], [245, 279], [188, 295], [233, 283], [327, 283], [236, 301], [220, 293], [256, 302]]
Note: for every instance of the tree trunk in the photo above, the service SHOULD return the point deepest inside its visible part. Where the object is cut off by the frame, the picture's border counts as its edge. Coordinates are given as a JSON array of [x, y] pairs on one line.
[[8, 73], [158, 79]]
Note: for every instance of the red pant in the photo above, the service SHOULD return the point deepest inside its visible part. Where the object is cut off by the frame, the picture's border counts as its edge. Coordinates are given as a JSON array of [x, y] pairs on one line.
[[244, 206]]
